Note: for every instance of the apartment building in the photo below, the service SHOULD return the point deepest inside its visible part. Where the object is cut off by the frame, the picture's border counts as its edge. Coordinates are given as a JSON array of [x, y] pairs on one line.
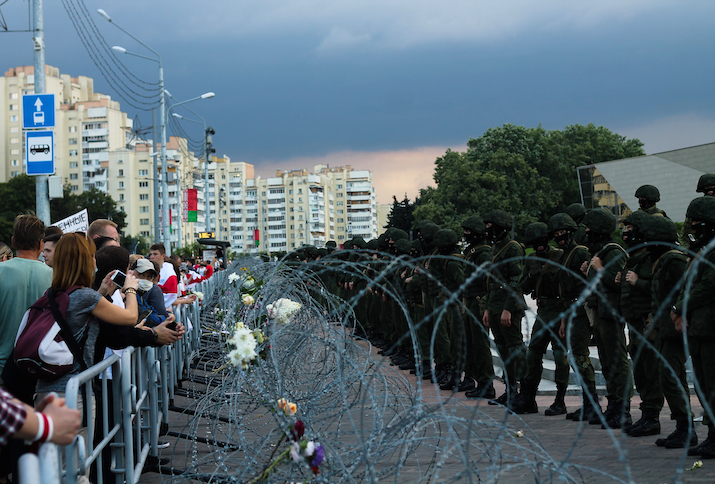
[[292, 209]]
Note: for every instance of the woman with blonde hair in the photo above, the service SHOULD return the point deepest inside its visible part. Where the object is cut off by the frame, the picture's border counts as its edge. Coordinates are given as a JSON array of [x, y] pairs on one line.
[[73, 269]]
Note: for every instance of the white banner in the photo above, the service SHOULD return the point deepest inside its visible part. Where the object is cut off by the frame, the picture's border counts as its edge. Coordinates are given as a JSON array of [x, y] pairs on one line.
[[78, 222]]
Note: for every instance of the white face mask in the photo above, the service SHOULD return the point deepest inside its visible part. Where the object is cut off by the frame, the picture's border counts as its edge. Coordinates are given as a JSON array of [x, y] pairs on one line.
[[145, 285]]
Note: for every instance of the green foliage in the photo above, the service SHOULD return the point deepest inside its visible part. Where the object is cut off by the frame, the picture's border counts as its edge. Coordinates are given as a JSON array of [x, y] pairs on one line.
[[400, 215], [529, 172], [190, 251], [18, 196], [136, 244]]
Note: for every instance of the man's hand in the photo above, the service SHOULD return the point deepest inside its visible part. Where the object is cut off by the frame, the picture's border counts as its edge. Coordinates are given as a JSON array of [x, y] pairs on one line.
[[562, 329], [66, 421], [631, 278], [505, 318], [618, 278], [485, 318], [597, 263]]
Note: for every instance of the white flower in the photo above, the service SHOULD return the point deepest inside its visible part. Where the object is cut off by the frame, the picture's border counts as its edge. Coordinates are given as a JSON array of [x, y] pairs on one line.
[[295, 452], [233, 277], [199, 295], [249, 283], [283, 310], [248, 300], [309, 448], [244, 347]]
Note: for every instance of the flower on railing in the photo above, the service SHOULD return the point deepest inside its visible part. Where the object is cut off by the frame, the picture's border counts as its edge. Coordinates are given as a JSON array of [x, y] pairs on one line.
[[233, 278], [244, 347], [283, 310], [300, 450], [248, 300], [309, 452], [289, 408], [199, 295]]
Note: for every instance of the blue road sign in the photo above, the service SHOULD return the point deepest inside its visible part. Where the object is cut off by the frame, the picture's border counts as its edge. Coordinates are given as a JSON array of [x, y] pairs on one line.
[[38, 111], [39, 152]]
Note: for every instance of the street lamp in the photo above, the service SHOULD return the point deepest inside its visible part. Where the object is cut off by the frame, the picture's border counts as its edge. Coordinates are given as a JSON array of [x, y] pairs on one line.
[[208, 149], [162, 124]]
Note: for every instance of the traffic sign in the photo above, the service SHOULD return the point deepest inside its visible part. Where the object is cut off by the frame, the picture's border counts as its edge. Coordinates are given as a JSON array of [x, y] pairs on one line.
[[38, 111], [39, 152]]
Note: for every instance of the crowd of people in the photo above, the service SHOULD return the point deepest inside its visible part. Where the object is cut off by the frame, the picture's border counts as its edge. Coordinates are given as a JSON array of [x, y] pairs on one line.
[[589, 288], [112, 300]]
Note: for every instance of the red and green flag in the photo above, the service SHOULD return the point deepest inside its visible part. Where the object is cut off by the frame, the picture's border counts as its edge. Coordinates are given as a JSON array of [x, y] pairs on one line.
[[191, 205]]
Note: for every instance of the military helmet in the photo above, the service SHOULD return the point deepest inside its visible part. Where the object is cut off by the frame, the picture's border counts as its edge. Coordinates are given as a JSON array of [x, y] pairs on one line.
[[402, 246], [706, 180], [417, 245], [659, 229], [445, 238], [561, 221], [499, 218], [576, 211], [420, 224], [382, 242], [702, 209], [359, 241], [429, 230], [649, 192], [637, 219], [322, 252], [600, 221], [331, 244], [535, 231], [372, 244], [348, 244], [389, 232], [399, 234], [474, 224]]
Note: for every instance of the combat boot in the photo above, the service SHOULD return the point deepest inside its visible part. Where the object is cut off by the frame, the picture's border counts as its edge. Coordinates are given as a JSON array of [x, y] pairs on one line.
[[467, 384], [620, 417], [559, 406], [649, 424], [526, 403], [426, 372], [706, 449], [586, 412], [483, 390], [680, 437]]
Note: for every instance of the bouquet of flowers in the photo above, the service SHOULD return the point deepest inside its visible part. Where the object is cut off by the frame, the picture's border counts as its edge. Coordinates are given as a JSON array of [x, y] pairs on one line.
[[283, 310]]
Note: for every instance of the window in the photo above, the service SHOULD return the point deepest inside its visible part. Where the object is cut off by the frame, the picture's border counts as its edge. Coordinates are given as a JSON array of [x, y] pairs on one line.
[[73, 129], [339, 187], [75, 188], [14, 173], [292, 227], [339, 194], [144, 209], [14, 129], [121, 184], [73, 152], [14, 95], [121, 172], [13, 117], [339, 203], [73, 176], [300, 190], [14, 140], [144, 233], [143, 221], [340, 220], [341, 237], [14, 151], [74, 164], [14, 162], [143, 184], [72, 141], [121, 197], [13, 107], [143, 196], [87, 162], [143, 172]]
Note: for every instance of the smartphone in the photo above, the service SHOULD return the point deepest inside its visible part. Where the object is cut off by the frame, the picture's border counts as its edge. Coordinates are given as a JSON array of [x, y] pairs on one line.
[[118, 278], [145, 314], [172, 325]]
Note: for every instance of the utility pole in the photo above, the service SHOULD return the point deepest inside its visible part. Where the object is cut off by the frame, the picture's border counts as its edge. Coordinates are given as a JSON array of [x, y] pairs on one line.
[[209, 132], [42, 195], [154, 177]]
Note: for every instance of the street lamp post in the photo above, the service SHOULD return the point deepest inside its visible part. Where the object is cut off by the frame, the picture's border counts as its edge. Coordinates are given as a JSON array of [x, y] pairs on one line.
[[207, 150]]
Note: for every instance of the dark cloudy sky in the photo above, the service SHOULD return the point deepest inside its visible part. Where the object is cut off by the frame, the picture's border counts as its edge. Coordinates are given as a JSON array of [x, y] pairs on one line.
[[391, 85]]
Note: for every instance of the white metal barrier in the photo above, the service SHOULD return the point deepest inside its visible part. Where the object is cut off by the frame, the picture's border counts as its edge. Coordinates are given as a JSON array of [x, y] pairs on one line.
[[143, 384]]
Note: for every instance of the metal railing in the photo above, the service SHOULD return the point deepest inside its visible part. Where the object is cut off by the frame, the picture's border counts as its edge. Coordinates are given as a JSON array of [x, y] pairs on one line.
[[139, 394]]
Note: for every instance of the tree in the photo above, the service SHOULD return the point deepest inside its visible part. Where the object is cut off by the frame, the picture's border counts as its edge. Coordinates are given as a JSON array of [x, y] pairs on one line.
[[18, 196], [528, 172], [400, 215]]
